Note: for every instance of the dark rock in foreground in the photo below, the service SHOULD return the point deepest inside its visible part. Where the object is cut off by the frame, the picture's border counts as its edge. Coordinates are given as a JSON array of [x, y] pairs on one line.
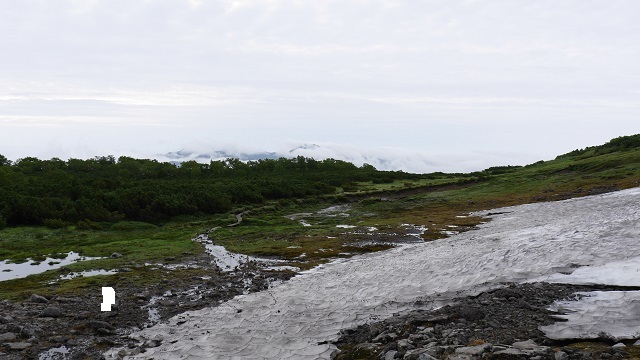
[[498, 324]]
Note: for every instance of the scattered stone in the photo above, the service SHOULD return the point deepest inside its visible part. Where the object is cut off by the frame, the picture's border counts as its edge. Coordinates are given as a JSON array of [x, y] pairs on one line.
[[530, 347], [417, 354], [105, 341], [38, 299], [58, 339], [152, 343], [96, 324], [168, 303], [460, 357], [390, 355], [18, 345], [51, 311], [619, 345], [366, 350], [61, 299], [428, 330], [404, 345], [511, 353], [637, 343], [143, 296], [104, 332], [8, 336], [116, 255], [438, 319], [561, 355], [26, 332], [385, 337], [73, 342], [425, 356], [473, 350]]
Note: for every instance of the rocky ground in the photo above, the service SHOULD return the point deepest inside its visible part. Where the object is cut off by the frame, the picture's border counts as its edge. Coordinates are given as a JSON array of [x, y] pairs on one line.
[[499, 324], [75, 328]]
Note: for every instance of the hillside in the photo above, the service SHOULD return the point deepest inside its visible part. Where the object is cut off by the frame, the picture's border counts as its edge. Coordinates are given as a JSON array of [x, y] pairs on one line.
[[134, 222]]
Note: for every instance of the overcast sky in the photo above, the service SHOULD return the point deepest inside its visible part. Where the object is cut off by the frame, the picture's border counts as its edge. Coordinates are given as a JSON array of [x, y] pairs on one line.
[[422, 85]]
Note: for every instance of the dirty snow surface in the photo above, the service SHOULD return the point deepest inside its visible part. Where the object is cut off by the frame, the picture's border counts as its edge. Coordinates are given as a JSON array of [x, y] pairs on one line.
[[296, 319]]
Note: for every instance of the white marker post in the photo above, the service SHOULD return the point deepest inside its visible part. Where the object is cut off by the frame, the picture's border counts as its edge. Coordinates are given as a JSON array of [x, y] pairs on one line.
[[108, 298]]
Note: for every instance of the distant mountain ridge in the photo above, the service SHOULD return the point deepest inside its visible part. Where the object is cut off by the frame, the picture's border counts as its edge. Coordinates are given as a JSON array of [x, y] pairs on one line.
[[186, 155], [383, 158]]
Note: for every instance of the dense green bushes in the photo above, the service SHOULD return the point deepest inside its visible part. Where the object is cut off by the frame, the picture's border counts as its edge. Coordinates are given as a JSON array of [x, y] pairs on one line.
[[58, 193]]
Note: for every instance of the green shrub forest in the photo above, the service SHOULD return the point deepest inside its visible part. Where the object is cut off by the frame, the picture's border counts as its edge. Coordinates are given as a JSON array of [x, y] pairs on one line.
[[85, 193], [58, 193]]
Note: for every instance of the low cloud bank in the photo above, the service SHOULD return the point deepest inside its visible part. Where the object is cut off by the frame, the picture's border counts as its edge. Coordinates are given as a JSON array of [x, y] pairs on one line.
[[382, 158]]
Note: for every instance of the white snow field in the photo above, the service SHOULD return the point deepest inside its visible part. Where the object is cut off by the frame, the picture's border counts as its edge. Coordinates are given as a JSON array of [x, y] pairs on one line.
[[296, 319], [600, 314]]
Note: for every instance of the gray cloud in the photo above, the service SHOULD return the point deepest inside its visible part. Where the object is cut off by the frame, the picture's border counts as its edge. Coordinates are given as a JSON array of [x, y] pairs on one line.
[[503, 82]]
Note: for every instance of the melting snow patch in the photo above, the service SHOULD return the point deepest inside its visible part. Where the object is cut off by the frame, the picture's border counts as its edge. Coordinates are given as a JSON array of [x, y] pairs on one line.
[[619, 273], [273, 283], [58, 353], [333, 211], [611, 315], [415, 230], [346, 226], [226, 260], [300, 318], [153, 315], [282, 268], [298, 215]]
